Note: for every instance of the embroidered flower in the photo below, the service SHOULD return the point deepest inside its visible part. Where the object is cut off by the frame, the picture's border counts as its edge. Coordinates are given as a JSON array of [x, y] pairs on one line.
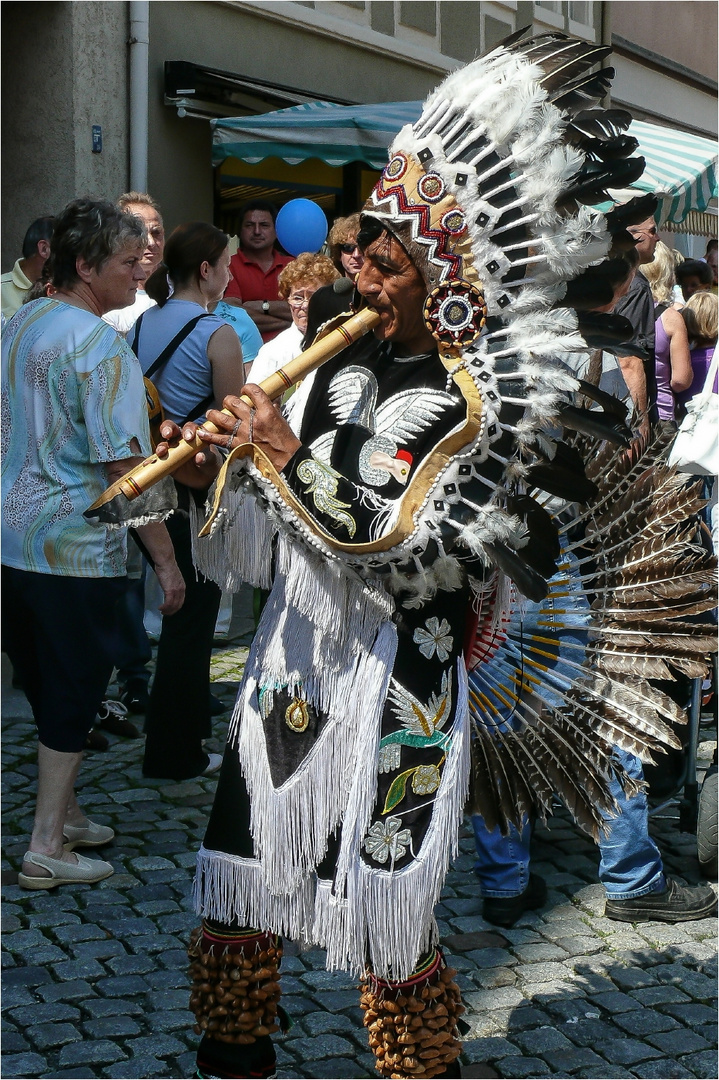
[[387, 840], [426, 780], [389, 758], [435, 638]]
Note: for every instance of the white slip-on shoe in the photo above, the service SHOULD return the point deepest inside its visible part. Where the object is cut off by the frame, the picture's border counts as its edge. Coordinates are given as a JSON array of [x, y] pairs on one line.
[[90, 835], [85, 871]]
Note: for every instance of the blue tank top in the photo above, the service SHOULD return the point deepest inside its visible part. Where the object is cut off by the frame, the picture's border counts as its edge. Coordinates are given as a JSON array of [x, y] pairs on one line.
[[186, 379]]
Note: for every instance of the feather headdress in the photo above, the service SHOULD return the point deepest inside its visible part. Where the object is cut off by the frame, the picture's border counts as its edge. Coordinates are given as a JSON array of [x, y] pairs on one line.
[[556, 684], [490, 193]]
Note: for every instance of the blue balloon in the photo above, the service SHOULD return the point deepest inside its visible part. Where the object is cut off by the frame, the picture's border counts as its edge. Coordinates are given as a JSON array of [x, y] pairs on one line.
[[301, 226]]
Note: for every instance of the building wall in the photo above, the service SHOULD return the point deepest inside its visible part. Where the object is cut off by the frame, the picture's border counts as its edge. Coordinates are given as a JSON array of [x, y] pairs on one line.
[[63, 70], [684, 32], [357, 51], [340, 58], [665, 56]]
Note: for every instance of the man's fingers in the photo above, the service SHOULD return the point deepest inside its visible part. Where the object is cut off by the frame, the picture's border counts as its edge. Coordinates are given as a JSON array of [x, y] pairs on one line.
[[169, 430], [256, 395]]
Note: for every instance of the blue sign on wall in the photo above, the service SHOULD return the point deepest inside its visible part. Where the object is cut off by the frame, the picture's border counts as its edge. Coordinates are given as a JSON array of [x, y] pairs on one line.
[[96, 139]]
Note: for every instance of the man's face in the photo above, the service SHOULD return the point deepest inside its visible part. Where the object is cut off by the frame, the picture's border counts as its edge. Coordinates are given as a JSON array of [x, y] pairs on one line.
[[394, 288], [351, 257], [257, 232], [647, 238], [152, 255], [711, 259], [693, 284], [114, 284]]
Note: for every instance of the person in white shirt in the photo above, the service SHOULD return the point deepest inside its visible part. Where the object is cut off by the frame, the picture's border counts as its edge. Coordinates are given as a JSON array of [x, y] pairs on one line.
[[143, 206]]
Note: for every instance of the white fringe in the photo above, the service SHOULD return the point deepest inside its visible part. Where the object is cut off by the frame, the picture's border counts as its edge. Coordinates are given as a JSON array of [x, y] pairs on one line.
[[391, 914], [229, 889], [330, 925], [317, 626], [384, 914], [291, 824], [240, 545]]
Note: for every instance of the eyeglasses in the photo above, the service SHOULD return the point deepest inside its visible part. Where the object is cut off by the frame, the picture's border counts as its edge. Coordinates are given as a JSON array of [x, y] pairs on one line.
[[299, 301], [349, 249]]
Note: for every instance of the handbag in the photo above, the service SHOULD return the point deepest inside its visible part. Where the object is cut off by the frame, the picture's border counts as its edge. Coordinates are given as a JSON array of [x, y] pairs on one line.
[[695, 449]]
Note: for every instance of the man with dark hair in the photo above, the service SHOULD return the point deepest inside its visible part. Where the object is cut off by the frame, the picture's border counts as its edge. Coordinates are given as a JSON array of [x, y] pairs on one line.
[[391, 512], [28, 269], [255, 268], [693, 276], [75, 419]]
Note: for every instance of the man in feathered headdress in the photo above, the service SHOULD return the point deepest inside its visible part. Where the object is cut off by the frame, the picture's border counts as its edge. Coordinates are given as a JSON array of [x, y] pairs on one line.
[[395, 497]]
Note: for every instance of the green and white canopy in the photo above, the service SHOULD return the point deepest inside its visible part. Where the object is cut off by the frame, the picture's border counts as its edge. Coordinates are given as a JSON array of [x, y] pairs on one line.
[[681, 168]]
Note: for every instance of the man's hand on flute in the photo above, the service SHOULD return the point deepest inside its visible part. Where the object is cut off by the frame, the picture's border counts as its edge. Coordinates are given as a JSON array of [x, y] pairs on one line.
[[260, 423], [202, 469]]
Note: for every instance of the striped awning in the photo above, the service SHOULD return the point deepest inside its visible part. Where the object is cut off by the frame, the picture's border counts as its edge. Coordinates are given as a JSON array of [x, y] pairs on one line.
[[336, 134], [681, 168], [696, 224]]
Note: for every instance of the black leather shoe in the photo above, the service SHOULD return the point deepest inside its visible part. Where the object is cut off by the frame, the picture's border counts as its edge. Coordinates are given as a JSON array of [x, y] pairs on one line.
[[505, 910], [676, 903], [217, 707], [135, 696]]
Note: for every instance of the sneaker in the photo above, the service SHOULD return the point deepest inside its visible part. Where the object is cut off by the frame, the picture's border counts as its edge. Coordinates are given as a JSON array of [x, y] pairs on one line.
[[505, 910], [112, 716], [214, 763], [135, 696], [676, 903], [95, 740]]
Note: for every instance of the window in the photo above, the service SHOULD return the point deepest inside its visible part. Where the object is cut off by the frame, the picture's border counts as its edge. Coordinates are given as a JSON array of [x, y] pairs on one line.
[[418, 22], [581, 12]]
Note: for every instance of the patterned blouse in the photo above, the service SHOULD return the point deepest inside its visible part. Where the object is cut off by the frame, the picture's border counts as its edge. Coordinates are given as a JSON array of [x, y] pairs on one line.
[[72, 400]]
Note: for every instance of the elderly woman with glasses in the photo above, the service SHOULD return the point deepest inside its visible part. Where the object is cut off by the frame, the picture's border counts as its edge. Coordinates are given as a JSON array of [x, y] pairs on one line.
[[344, 252], [299, 280]]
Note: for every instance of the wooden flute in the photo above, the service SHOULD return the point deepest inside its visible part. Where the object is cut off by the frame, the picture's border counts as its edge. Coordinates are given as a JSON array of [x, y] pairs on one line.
[[153, 468]]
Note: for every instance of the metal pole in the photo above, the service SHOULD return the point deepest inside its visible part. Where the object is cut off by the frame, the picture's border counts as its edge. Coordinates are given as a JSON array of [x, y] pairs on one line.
[[139, 91]]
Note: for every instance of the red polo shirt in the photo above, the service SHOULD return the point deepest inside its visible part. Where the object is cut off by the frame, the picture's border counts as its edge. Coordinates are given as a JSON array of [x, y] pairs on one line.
[[248, 281]]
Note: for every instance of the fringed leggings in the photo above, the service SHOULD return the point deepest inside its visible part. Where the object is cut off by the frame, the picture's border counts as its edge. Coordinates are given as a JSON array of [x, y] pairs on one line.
[[412, 1025]]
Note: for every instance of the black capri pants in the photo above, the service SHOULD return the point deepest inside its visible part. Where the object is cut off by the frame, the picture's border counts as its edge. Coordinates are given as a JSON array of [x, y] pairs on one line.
[[59, 633]]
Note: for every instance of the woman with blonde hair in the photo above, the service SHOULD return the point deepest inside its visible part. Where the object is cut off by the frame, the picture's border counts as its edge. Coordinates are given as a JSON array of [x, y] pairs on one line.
[[673, 367], [701, 318], [299, 280], [661, 275]]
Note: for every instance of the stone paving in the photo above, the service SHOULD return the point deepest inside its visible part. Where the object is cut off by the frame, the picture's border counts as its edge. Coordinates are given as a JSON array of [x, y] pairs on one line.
[[94, 980]]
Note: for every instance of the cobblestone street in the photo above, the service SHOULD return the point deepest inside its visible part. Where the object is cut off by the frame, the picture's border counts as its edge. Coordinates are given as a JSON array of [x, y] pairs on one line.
[[94, 977]]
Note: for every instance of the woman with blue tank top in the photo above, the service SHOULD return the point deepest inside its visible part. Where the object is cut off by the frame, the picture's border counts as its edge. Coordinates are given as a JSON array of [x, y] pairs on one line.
[[195, 360]]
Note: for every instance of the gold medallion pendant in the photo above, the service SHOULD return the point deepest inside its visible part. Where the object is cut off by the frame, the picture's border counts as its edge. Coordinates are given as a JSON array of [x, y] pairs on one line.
[[297, 715]]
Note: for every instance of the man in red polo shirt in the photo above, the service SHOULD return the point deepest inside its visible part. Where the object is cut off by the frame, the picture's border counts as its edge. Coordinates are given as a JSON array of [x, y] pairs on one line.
[[255, 268]]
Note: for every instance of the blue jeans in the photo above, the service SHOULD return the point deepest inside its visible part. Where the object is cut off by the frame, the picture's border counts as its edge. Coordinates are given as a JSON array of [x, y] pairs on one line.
[[630, 863]]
